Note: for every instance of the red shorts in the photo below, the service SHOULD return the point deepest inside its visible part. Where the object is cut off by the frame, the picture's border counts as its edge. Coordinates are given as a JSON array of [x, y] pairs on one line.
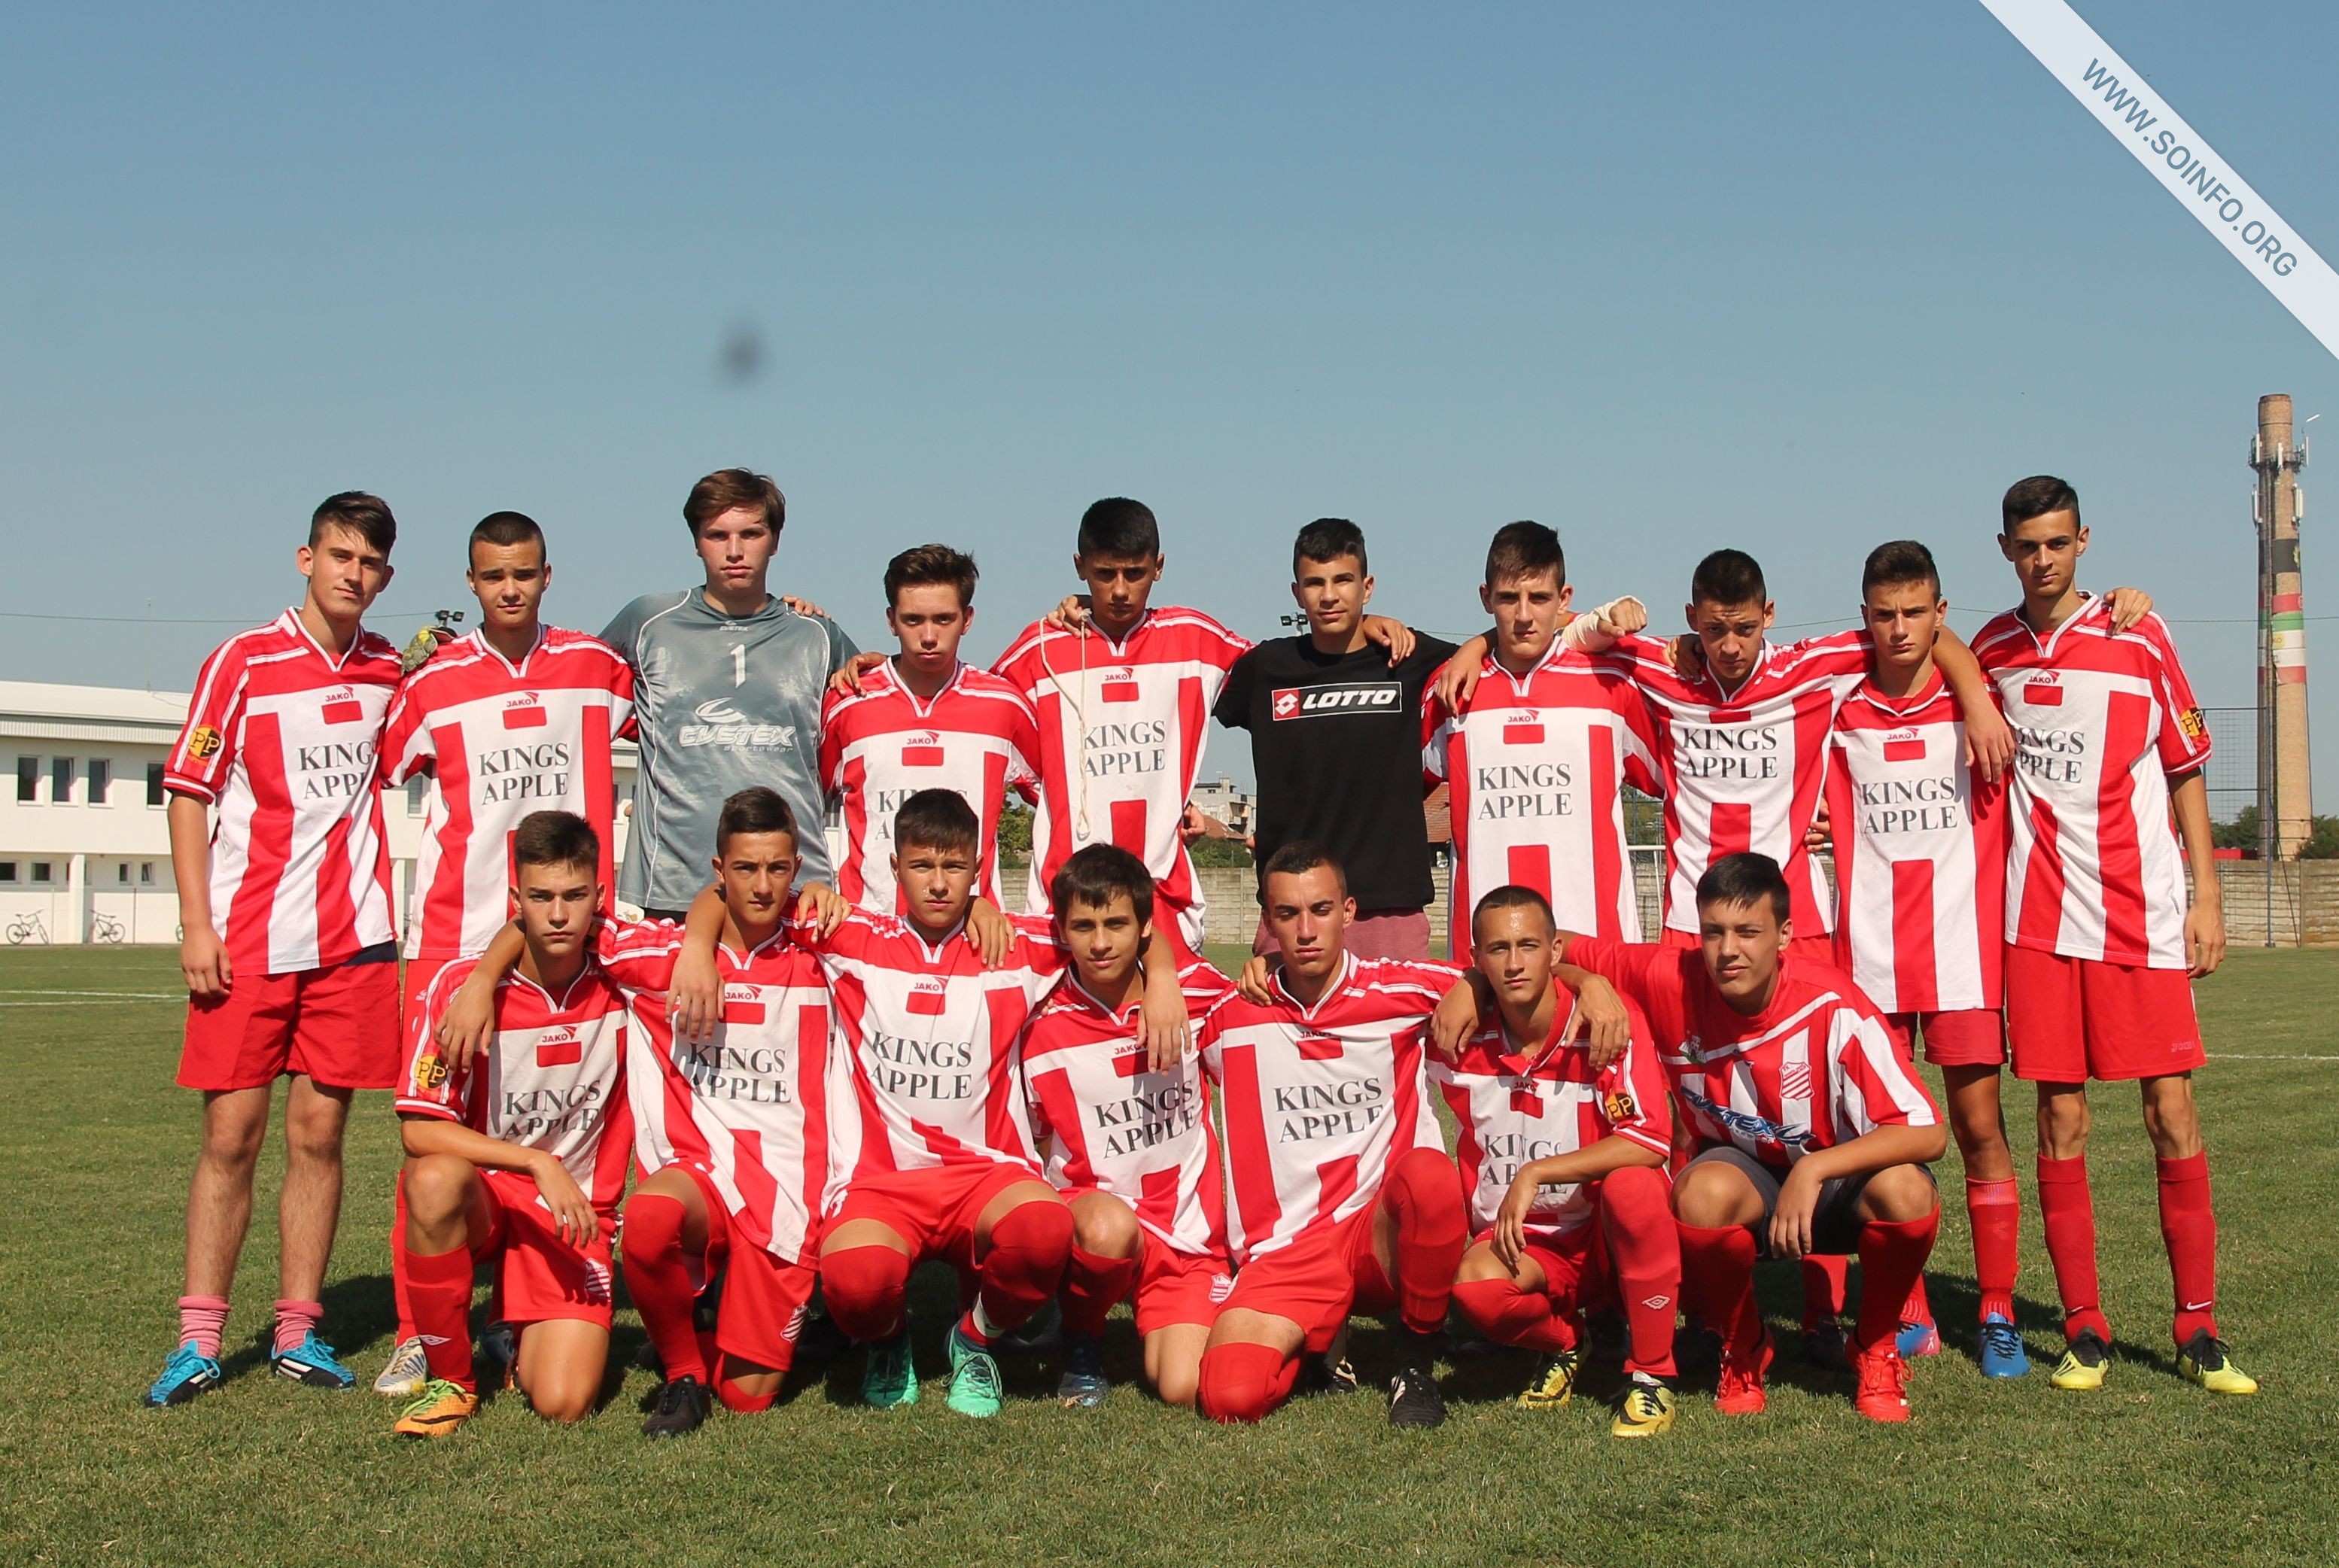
[[1176, 1288], [763, 1297], [1568, 1259], [1802, 949], [1319, 1279], [338, 1026], [2073, 1019], [1964, 1037], [538, 1276], [933, 1210]]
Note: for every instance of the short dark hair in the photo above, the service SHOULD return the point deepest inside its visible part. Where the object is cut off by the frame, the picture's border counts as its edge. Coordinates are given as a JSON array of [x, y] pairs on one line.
[[726, 489], [1512, 895], [1743, 879], [556, 838], [937, 819], [1097, 875], [507, 528], [1897, 562], [934, 564], [1120, 528], [1728, 577], [1525, 550], [756, 809], [366, 516], [1327, 540], [1302, 856], [2035, 498]]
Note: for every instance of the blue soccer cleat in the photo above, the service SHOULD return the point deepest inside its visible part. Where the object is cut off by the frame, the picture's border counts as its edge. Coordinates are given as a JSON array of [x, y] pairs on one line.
[[2002, 1355], [1084, 1386], [187, 1373], [1915, 1339], [313, 1364]]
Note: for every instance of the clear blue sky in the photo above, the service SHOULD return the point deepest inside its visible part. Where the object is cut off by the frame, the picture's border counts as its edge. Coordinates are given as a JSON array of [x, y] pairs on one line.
[[1795, 278]]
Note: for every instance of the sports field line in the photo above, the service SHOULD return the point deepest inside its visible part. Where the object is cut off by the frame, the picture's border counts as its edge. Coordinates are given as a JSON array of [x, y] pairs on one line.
[[2242, 1056], [110, 995]]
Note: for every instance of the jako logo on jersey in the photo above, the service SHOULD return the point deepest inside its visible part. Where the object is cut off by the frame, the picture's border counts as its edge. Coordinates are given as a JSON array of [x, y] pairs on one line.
[[1904, 746], [922, 750], [720, 723], [525, 712], [1120, 685], [342, 707], [1364, 696], [2044, 689], [559, 1046], [927, 999]]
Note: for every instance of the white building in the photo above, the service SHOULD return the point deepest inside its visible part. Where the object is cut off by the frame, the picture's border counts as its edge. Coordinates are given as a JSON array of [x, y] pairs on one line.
[[1225, 802], [84, 846]]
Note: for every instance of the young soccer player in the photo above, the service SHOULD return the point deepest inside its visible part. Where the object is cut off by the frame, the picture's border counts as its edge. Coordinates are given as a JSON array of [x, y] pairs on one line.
[[1538, 755], [1343, 1194], [1132, 1148], [289, 955], [512, 717], [1813, 1134], [1920, 843], [923, 720], [1561, 1159], [519, 1154], [2102, 942]]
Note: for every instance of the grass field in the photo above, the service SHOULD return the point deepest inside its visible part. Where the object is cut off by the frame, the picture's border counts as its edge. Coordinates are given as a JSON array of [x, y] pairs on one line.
[[95, 1145]]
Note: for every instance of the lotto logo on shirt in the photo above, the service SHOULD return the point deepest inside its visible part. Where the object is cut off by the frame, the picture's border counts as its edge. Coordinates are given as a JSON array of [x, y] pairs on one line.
[[1317, 702], [721, 724]]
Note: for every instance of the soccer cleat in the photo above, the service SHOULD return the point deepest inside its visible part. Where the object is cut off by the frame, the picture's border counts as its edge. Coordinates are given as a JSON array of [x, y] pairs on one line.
[[1646, 1409], [683, 1405], [1740, 1391], [313, 1364], [1696, 1347], [1915, 1339], [974, 1387], [500, 1352], [1555, 1384], [188, 1373], [2084, 1363], [441, 1407], [2002, 1355], [1824, 1347], [890, 1376], [1883, 1392], [1084, 1386], [1414, 1401], [2203, 1361], [408, 1370]]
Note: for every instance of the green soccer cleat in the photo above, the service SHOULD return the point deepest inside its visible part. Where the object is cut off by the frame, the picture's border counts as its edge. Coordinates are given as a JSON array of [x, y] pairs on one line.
[[890, 1376], [974, 1387]]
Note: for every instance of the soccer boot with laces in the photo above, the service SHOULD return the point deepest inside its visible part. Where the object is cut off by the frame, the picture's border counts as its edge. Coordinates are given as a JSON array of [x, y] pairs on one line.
[[2203, 1361], [1555, 1384], [1915, 1339], [2085, 1361], [1740, 1391], [1414, 1401], [408, 1370], [313, 1364], [187, 1373], [890, 1376], [2000, 1351], [437, 1410], [975, 1387], [1084, 1386], [683, 1405], [1645, 1410], [499, 1354], [1883, 1391], [1826, 1347]]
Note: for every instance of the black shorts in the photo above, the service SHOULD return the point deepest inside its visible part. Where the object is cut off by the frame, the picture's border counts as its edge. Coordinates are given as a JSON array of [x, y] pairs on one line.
[[1835, 1219]]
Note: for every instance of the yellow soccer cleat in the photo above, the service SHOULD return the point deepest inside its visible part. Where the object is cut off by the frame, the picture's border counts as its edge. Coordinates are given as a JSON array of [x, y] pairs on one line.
[[442, 1407], [1554, 1386], [2203, 1361], [1646, 1410], [2084, 1364]]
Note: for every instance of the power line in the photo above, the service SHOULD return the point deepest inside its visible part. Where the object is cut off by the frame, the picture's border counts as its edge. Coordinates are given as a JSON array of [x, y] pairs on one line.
[[176, 620]]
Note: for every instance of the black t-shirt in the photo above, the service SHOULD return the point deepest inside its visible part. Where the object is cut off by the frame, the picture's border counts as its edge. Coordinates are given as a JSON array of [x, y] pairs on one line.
[[1336, 740]]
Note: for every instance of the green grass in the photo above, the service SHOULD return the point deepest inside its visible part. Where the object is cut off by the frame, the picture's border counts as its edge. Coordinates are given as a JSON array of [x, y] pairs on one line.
[[95, 1146]]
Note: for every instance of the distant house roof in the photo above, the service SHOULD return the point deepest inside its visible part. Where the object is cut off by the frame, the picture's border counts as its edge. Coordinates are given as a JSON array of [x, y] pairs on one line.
[[1436, 818]]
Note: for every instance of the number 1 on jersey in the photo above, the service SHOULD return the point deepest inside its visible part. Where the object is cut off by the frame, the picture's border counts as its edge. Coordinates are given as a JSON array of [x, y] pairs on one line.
[[738, 664]]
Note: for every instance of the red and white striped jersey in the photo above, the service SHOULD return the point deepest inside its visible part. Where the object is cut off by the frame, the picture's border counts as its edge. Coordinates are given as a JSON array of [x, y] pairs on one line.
[[880, 746], [501, 740], [1815, 1069], [2102, 719], [283, 740], [1512, 1106], [749, 1107], [1320, 1101], [1742, 769], [1106, 1122], [553, 1078], [1537, 765], [1134, 714], [1919, 856], [930, 1038]]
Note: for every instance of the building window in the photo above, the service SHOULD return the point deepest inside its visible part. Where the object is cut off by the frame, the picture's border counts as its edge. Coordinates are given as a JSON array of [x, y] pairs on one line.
[[101, 779], [40, 869], [418, 791], [146, 873], [154, 784], [61, 776], [8, 871], [28, 779], [121, 871]]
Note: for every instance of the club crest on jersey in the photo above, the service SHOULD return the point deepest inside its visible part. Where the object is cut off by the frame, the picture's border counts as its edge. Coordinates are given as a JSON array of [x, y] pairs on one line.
[[1619, 1106], [202, 744], [2194, 725], [430, 1073], [1361, 696], [525, 712]]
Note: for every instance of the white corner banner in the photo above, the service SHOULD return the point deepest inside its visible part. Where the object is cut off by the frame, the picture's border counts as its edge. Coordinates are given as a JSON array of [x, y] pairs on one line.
[[2118, 95]]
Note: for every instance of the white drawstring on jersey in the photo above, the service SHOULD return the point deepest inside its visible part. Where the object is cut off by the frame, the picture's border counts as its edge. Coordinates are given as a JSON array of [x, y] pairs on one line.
[[1080, 758]]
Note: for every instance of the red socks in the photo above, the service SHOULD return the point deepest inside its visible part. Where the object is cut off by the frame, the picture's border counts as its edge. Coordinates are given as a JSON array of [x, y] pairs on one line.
[[1092, 1286], [1432, 1232], [2190, 1225], [1245, 1382], [1636, 1214], [2069, 1213], [203, 1319], [1892, 1256], [1823, 1288], [1995, 1208], [1028, 1248], [1719, 1265], [295, 1321], [864, 1287], [440, 1287], [658, 1280], [1507, 1315]]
